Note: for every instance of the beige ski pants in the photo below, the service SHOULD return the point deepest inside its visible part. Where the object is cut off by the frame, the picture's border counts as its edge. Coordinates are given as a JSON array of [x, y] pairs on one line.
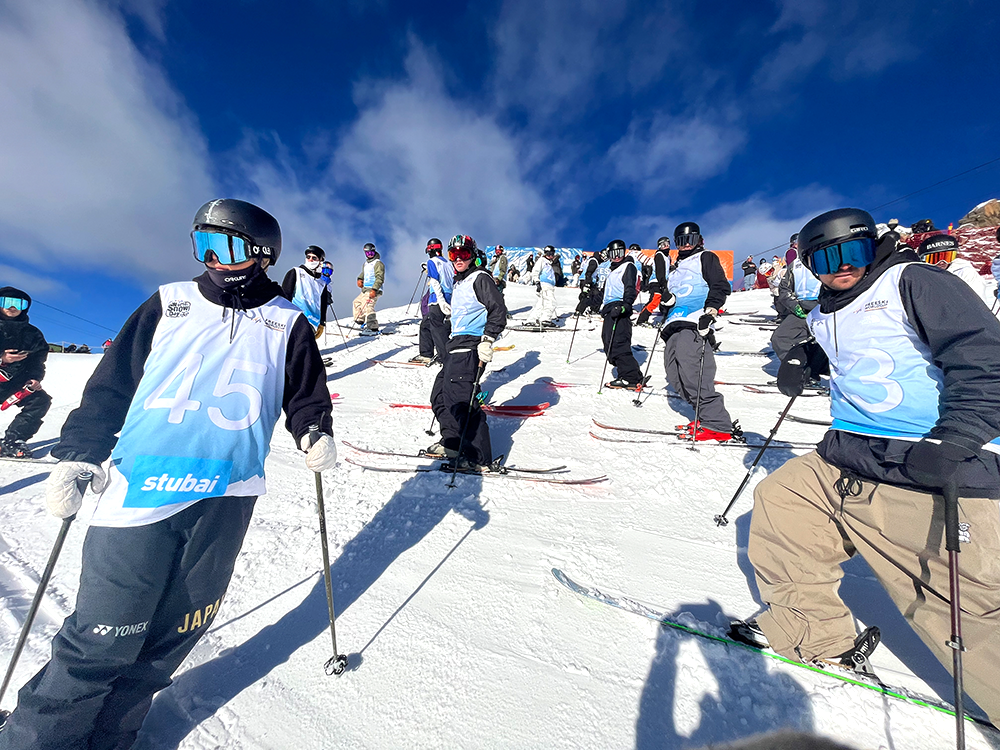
[[364, 309], [801, 531]]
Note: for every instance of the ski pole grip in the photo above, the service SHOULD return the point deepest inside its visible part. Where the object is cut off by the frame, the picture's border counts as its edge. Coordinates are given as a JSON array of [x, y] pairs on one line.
[[83, 481], [951, 529], [313, 434]]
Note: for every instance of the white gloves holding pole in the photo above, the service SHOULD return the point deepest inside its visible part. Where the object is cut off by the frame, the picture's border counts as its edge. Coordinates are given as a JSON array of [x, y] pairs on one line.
[[67, 483], [321, 450]]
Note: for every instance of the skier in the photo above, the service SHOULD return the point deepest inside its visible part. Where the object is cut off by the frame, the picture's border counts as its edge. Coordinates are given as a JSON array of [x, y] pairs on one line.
[[941, 250], [656, 286], [698, 287], [590, 292], [529, 266], [478, 317], [370, 282], [22, 367], [498, 267], [543, 314], [915, 407], [574, 270], [620, 291], [196, 396], [799, 290], [749, 274], [307, 289], [435, 327]]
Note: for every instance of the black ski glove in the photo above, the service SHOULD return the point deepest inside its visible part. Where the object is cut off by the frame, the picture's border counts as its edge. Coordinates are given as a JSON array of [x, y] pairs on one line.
[[706, 320], [934, 461], [624, 312], [538, 286], [794, 372]]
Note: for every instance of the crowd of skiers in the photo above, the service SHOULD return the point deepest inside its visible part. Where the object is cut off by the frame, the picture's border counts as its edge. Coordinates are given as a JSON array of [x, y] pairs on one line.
[[908, 345]]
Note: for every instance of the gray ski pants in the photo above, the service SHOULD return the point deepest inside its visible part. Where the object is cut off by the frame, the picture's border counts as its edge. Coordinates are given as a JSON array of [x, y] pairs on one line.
[[802, 530], [682, 361], [147, 595]]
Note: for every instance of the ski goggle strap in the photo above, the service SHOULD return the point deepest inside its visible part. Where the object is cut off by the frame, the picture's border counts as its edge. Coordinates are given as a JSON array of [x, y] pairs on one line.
[[858, 253], [687, 240], [228, 249], [943, 255], [15, 302], [459, 253]]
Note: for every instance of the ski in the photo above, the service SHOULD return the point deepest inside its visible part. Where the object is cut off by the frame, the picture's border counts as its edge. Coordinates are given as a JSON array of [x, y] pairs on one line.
[[540, 329], [775, 392], [445, 469], [709, 443], [851, 678], [28, 460], [771, 384], [752, 323], [500, 410], [557, 384], [679, 433], [803, 420], [402, 363], [744, 354], [504, 348], [422, 454]]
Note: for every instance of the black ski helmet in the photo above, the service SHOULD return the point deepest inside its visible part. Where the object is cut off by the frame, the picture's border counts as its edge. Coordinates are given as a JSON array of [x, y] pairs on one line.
[[833, 227], [245, 220], [549, 250], [663, 243], [688, 234], [793, 239], [317, 251], [616, 249], [603, 255], [434, 247], [938, 243], [369, 246], [634, 248]]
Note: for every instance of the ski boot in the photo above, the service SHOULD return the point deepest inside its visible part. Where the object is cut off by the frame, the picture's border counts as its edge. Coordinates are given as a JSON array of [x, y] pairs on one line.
[[855, 658], [368, 332], [420, 359], [439, 451], [748, 633], [13, 448]]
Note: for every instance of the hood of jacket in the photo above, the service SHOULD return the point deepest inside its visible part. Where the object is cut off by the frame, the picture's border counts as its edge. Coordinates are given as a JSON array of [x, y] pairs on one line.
[[10, 291]]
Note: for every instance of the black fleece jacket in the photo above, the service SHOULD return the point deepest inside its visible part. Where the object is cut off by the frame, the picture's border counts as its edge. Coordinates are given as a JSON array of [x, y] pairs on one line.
[[18, 333], [964, 340], [90, 430]]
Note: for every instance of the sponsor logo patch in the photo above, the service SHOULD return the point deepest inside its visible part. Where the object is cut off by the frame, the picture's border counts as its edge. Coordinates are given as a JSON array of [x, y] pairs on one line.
[[178, 309], [122, 630], [879, 304], [965, 532], [165, 480]]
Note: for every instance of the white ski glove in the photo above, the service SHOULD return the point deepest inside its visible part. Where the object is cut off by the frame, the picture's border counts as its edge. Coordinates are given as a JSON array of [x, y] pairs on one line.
[[444, 306], [485, 349], [322, 454], [66, 485]]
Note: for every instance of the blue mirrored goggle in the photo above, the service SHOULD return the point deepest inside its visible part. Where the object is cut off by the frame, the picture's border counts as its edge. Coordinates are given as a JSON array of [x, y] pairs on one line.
[[227, 248], [16, 302], [858, 253]]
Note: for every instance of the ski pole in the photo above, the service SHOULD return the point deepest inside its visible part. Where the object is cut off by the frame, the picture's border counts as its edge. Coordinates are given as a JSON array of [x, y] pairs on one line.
[[430, 430], [607, 357], [575, 326], [638, 390], [337, 321], [465, 428], [951, 529], [81, 483], [697, 400], [419, 279], [337, 663], [721, 520]]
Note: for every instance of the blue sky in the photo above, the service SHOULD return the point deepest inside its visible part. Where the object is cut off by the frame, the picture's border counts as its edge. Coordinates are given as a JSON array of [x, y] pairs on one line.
[[519, 122]]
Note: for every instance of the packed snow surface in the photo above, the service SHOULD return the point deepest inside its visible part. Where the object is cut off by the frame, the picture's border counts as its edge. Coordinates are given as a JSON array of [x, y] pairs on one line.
[[457, 633]]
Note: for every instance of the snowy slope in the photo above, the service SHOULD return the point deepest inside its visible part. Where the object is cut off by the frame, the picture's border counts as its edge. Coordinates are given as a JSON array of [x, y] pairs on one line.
[[457, 633]]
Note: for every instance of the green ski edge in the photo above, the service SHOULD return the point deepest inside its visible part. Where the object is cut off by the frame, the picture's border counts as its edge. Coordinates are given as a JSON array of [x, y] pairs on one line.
[[629, 605]]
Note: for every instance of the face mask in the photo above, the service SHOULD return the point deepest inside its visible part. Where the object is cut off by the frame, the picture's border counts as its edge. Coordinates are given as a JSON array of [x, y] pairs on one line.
[[312, 265], [231, 279]]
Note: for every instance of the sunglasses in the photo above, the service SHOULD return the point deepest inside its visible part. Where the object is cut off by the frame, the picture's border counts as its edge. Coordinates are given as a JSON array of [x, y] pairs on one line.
[[228, 249], [858, 253], [16, 302], [943, 255], [459, 253]]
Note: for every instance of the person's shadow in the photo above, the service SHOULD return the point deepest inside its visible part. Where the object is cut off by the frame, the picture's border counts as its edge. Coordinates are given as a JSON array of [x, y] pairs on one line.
[[415, 509], [681, 708]]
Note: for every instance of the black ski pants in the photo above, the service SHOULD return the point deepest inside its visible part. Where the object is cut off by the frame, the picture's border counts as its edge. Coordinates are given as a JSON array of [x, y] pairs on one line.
[[147, 595], [590, 299], [450, 399], [32, 409], [434, 333], [617, 337]]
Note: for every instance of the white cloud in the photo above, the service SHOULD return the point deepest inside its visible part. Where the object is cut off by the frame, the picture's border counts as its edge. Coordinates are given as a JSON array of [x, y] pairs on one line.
[[673, 151], [421, 163], [102, 164]]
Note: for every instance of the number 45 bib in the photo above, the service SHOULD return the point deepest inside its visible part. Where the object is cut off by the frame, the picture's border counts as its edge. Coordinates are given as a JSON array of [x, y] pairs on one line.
[[201, 420]]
